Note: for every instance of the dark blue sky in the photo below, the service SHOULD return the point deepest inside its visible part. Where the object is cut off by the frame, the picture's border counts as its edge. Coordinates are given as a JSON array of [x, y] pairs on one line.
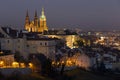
[[85, 14]]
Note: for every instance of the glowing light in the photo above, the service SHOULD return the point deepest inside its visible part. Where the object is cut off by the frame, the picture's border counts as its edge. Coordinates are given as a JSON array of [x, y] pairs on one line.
[[53, 63], [30, 65], [15, 64], [1, 63], [62, 62], [58, 63], [1, 52], [22, 65]]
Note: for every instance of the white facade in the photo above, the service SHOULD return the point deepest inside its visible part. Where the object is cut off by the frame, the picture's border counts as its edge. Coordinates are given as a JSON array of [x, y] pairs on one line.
[[46, 47], [11, 41], [14, 45], [85, 61], [25, 47]]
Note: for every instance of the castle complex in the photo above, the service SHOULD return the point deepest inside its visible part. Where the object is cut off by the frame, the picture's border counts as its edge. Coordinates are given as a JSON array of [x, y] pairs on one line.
[[37, 25]]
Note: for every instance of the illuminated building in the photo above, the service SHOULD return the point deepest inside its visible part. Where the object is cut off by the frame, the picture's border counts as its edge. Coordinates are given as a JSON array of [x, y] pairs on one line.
[[69, 39], [6, 60], [43, 24], [37, 25]]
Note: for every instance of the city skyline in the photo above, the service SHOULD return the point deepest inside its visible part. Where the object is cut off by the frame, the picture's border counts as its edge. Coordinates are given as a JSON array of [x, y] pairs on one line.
[[84, 14]]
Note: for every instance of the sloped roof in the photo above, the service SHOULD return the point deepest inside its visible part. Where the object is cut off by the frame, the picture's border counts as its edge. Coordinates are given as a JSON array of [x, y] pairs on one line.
[[11, 32]]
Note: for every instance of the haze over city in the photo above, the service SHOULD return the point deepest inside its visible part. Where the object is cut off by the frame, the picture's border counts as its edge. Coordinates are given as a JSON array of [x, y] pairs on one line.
[[84, 14]]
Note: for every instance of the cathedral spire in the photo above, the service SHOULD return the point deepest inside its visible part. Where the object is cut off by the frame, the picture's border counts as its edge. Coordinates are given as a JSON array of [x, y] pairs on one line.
[[42, 14], [35, 13], [35, 21], [27, 15], [27, 18], [43, 23], [42, 11], [27, 21]]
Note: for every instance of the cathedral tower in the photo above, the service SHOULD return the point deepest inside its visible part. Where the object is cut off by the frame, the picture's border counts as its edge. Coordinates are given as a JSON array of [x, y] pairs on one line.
[[43, 24], [27, 22], [36, 25]]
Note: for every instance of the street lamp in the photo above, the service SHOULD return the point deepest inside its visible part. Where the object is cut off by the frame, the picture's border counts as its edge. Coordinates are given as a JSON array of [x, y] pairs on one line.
[[15, 64], [1, 64]]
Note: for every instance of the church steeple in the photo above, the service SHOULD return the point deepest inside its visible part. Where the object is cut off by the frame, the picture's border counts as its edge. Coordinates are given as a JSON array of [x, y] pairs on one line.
[[35, 13], [27, 15], [43, 11], [27, 21], [37, 25], [35, 21], [43, 23], [35, 17], [43, 17]]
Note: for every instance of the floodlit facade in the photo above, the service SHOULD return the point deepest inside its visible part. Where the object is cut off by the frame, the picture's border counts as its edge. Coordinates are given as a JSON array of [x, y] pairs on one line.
[[69, 39], [83, 61], [37, 25]]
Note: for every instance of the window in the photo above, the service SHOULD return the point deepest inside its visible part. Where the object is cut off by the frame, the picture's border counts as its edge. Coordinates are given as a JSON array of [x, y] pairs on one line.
[[8, 41], [18, 40], [40, 43], [27, 45], [45, 43]]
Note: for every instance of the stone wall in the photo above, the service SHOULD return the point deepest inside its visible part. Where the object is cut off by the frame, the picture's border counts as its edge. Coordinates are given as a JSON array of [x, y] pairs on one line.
[[10, 71]]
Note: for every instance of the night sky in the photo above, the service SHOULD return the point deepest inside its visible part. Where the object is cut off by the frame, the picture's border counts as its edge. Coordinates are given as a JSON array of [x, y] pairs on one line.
[[84, 14]]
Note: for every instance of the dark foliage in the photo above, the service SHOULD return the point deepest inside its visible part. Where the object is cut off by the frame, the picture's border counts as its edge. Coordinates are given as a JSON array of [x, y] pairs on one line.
[[40, 61], [1, 76]]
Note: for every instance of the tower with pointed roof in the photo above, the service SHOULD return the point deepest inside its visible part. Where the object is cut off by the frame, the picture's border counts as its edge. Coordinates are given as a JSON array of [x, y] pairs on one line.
[[43, 23], [27, 21], [37, 25]]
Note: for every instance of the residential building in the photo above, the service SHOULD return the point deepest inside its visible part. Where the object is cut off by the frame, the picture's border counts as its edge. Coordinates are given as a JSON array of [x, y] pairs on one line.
[[26, 43]]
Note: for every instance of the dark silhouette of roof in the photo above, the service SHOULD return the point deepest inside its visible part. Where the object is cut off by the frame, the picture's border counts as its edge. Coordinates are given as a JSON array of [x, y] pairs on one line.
[[11, 32]]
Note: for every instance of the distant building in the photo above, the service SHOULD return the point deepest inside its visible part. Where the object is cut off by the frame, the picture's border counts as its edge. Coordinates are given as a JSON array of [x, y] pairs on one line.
[[40, 26], [69, 39], [85, 61], [37, 25], [80, 59]]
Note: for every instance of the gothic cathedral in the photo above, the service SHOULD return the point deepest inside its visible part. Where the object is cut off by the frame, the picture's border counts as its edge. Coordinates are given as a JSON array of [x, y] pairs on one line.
[[38, 25]]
